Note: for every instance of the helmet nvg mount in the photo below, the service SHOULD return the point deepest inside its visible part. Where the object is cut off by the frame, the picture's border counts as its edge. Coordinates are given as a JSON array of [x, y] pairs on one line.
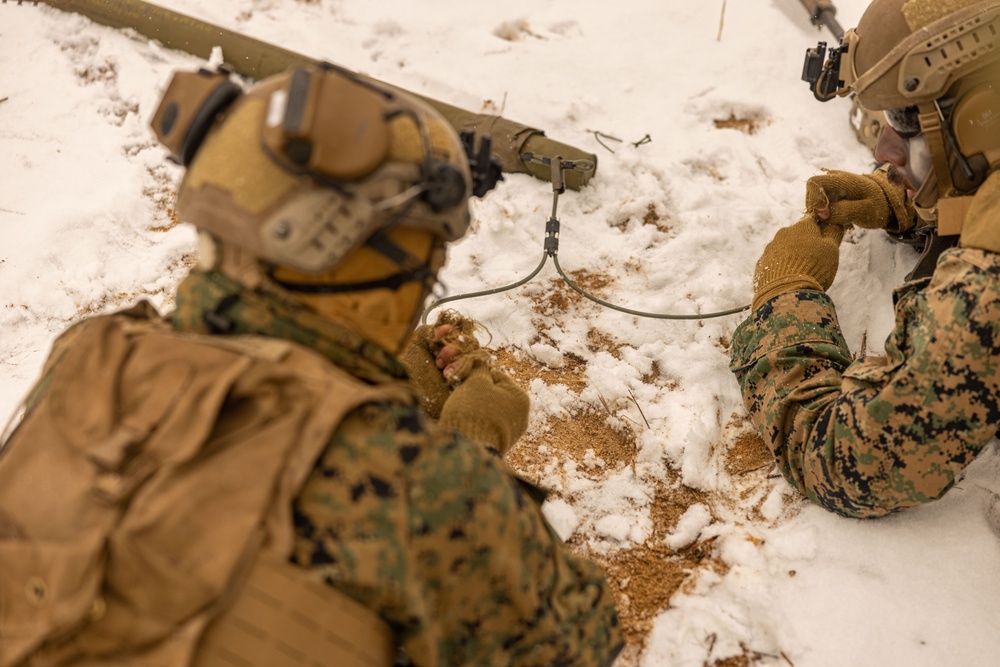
[[906, 52], [307, 166], [936, 62]]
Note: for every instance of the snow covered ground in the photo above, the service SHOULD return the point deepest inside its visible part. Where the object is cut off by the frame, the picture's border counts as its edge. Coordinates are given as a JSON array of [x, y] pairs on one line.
[[715, 559]]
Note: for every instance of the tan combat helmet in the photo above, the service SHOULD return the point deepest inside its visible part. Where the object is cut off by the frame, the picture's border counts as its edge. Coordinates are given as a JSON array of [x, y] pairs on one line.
[[307, 166], [932, 65]]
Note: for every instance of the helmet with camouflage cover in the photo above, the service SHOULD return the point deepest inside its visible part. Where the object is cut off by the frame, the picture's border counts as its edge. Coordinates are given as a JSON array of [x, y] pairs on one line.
[[932, 66], [317, 183]]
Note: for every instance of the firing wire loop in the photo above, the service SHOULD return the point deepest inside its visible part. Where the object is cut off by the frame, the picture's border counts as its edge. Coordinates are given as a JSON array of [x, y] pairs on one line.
[[551, 246]]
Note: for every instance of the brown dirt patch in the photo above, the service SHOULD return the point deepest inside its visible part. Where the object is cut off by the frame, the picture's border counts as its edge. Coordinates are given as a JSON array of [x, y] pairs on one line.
[[574, 438], [161, 190], [172, 221], [560, 297], [748, 453], [611, 440], [598, 341], [658, 378], [591, 282], [523, 369], [653, 217], [571, 372], [644, 578], [748, 659], [751, 465], [746, 124], [705, 168], [106, 72]]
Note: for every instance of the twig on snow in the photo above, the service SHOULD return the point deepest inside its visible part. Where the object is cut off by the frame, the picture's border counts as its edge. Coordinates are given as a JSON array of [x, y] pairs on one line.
[[597, 135], [645, 140], [722, 21], [632, 396]]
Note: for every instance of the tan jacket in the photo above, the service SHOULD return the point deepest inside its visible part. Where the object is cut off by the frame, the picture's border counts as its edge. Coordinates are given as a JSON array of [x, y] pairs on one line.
[[136, 441]]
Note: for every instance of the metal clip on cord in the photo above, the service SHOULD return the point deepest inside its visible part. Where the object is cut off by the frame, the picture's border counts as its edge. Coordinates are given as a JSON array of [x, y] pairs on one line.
[[551, 249]]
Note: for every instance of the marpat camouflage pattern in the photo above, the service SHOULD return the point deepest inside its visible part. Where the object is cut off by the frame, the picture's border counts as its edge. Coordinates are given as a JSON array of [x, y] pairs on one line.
[[424, 526], [868, 437]]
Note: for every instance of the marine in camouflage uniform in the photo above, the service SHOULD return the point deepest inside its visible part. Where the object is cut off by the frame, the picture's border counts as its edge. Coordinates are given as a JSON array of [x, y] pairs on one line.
[[868, 437], [420, 523], [323, 205], [413, 514]]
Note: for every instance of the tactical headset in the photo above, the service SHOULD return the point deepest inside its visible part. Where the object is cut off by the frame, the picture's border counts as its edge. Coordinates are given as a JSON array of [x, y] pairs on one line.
[[333, 127], [302, 141]]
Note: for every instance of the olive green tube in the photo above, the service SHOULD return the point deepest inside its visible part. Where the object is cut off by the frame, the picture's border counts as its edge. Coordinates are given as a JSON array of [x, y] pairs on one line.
[[823, 12], [257, 59]]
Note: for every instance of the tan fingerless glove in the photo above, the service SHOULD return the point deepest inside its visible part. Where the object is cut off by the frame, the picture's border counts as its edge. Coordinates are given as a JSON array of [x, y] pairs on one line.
[[486, 405], [420, 356], [865, 200], [419, 359], [981, 228], [804, 255]]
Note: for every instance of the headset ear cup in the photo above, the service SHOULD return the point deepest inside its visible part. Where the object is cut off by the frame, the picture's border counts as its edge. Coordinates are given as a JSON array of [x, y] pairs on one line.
[[190, 105], [980, 170], [976, 125], [221, 98]]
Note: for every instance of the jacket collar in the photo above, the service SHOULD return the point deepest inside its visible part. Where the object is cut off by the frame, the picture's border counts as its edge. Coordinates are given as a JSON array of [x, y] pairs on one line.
[[209, 302]]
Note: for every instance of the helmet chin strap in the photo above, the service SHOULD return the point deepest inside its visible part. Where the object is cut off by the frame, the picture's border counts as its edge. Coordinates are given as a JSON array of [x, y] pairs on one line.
[[955, 174], [932, 126], [939, 195], [926, 198]]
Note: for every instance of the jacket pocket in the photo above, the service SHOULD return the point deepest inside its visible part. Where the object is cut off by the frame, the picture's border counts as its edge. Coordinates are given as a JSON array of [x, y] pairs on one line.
[[46, 589]]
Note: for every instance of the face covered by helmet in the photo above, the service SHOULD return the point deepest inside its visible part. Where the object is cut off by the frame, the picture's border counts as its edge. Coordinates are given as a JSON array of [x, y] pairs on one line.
[[932, 66], [320, 186]]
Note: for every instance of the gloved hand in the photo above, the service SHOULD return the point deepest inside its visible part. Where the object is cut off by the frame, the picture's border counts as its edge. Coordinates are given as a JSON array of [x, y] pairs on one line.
[[429, 351], [804, 255], [981, 228], [458, 385], [865, 200], [486, 405]]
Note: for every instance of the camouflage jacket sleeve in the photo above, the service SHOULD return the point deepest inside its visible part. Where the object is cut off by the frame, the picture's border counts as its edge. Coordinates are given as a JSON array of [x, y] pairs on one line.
[[865, 438], [436, 535]]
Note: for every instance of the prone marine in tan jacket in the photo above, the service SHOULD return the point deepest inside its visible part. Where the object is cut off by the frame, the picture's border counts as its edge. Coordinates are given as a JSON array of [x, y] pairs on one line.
[[258, 478]]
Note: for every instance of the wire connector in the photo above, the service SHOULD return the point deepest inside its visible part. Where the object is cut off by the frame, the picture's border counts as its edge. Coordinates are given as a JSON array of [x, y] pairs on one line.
[[558, 166], [552, 237]]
